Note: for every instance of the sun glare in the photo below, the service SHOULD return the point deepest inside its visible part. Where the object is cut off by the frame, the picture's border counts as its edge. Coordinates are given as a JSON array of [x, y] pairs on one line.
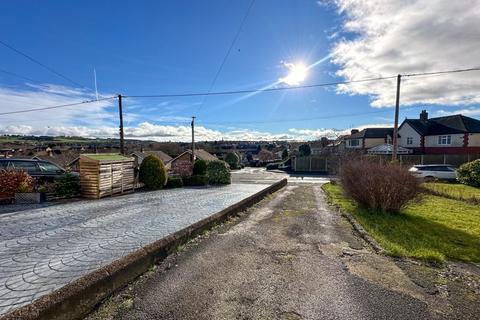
[[298, 73]]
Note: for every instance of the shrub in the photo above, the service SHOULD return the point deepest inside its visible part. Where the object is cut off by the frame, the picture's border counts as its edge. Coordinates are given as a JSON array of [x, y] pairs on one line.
[[266, 155], [377, 185], [174, 182], [153, 173], [305, 150], [67, 186], [285, 154], [12, 181], [233, 160], [218, 172], [200, 167], [196, 180], [469, 173]]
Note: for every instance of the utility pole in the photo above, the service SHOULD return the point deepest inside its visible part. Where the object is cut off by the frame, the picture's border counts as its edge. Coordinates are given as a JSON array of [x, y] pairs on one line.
[[193, 139], [122, 142], [395, 125]]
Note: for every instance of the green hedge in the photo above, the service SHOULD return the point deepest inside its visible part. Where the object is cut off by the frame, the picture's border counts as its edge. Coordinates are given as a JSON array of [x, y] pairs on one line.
[[200, 167], [469, 173], [153, 173], [218, 172], [196, 180], [67, 186], [233, 160], [174, 182]]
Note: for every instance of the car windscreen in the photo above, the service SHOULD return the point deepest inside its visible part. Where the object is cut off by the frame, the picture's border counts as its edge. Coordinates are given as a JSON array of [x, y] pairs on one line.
[[49, 167]]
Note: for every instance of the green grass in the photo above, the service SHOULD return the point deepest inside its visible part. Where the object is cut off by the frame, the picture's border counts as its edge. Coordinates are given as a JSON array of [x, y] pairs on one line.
[[107, 156], [433, 228], [454, 191]]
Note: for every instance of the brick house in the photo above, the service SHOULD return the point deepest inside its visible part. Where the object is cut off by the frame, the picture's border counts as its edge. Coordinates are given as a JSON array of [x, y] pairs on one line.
[[456, 134], [368, 138]]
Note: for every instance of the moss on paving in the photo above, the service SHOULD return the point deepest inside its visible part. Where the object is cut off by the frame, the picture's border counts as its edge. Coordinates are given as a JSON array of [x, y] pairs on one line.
[[433, 228]]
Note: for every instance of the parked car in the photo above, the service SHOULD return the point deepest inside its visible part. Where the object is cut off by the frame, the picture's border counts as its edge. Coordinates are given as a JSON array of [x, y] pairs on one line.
[[39, 169], [434, 171]]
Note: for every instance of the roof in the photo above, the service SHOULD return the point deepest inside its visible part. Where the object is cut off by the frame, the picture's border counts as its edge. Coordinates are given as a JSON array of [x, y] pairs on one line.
[[388, 149], [162, 155], [372, 133], [199, 154], [106, 157], [444, 125]]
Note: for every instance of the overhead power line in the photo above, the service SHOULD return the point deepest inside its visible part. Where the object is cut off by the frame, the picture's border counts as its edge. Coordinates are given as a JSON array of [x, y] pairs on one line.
[[57, 106], [17, 75], [42, 64], [193, 94], [326, 84], [237, 34], [440, 72]]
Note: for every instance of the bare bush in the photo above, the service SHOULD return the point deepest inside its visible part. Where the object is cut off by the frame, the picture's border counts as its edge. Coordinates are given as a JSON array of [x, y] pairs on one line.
[[378, 185]]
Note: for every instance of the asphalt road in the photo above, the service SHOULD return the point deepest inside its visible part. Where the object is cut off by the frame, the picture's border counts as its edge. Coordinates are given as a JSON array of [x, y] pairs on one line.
[[42, 249], [291, 257]]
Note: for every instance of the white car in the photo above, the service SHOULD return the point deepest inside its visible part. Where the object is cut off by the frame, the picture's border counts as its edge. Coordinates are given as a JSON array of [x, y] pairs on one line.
[[434, 171]]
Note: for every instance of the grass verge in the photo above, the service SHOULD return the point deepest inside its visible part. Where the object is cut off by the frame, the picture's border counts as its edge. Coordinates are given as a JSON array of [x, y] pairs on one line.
[[433, 228], [454, 191]]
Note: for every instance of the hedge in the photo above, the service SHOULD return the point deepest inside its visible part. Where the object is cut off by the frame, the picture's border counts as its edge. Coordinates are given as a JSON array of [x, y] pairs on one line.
[[218, 172], [469, 173], [153, 173]]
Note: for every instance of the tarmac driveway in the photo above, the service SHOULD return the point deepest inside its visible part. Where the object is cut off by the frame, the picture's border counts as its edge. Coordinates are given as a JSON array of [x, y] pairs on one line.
[[45, 248]]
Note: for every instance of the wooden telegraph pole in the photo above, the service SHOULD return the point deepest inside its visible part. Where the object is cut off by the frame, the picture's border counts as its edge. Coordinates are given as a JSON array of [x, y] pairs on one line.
[[395, 125], [193, 139], [120, 111]]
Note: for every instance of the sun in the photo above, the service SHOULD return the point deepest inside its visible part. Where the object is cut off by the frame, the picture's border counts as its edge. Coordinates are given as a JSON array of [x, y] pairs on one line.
[[298, 73]]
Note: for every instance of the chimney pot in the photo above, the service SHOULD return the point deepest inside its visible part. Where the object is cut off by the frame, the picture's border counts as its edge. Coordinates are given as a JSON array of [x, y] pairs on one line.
[[424, 115]]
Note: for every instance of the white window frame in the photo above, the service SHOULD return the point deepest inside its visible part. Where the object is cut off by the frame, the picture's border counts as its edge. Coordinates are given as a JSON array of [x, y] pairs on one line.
[[445, 140], [409, 140], [350, 143]]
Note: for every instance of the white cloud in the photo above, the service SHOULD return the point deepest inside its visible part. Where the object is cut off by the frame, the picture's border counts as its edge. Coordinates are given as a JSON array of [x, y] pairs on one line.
[[155, 132], [469, 112], [409, 36], [38, 96]]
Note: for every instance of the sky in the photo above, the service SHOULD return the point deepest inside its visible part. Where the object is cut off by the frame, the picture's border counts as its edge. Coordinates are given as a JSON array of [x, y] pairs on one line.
[[173, 47]]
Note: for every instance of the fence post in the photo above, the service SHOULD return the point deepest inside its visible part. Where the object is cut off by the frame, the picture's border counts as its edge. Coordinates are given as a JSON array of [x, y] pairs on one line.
[[444, 158], [421, 159]]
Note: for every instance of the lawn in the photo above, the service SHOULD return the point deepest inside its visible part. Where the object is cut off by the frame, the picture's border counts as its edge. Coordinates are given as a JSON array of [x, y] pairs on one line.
[[454, 191], [432, 228]]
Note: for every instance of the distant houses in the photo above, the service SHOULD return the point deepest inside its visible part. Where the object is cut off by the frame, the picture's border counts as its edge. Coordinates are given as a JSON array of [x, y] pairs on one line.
[[368, 138], [455, 134]]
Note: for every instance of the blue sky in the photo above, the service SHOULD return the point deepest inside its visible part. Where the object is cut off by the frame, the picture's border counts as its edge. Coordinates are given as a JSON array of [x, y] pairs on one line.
[[156, 47]]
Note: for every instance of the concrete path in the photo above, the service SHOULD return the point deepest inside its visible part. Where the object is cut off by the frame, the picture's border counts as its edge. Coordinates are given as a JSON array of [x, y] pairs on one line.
[[43, 249], [290, 258]]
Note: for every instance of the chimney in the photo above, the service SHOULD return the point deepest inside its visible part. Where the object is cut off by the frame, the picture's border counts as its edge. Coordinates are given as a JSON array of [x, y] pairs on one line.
[[354, 131], [424, 115]]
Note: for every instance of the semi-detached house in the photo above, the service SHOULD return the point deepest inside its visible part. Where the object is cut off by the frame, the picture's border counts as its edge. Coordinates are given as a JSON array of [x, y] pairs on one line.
[[456, 134], [368, 138]]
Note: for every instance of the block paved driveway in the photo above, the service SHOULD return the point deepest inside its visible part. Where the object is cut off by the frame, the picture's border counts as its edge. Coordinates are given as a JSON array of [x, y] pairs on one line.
[[45, 248]]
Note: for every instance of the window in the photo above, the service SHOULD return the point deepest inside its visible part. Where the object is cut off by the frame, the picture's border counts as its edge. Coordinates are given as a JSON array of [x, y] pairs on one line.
[[409, 140], [28, 166], [354, 143], [48, 167], [444, 139]]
